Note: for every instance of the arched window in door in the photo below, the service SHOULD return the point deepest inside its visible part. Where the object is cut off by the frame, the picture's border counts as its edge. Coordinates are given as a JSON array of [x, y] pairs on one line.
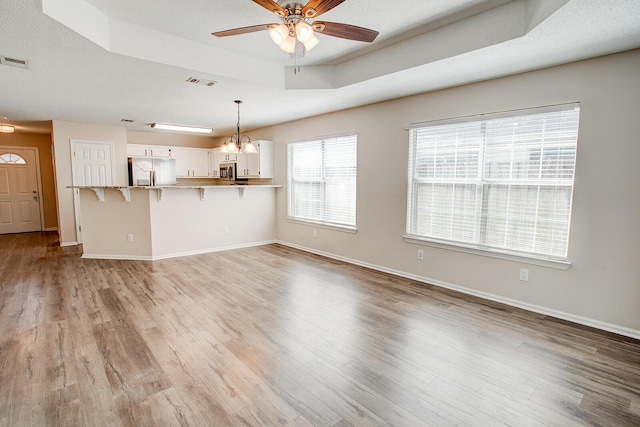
[[12, 159]]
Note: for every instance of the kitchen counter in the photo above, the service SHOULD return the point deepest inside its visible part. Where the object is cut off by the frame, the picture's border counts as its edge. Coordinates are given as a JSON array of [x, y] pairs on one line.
[[126, 190], [151, 223]]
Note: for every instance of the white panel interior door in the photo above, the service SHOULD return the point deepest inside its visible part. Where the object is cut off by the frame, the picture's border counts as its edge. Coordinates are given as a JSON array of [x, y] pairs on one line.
[[92, 165], [19, 198]]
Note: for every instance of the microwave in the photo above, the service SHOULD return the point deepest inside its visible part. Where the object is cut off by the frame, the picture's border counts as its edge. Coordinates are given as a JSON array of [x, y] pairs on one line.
[[229, 171]]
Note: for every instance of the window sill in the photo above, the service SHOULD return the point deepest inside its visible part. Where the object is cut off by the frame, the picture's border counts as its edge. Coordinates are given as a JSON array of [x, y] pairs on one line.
[[342, 228], [544, 262]]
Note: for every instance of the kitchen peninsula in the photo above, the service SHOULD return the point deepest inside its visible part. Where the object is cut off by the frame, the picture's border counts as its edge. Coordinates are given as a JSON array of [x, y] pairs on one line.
[[149, 223]]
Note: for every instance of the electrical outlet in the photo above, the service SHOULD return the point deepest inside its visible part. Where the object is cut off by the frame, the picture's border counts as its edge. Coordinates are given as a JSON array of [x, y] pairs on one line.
[[315, 233], [524, 275], [226, 231], [130, 237], [420, 254]]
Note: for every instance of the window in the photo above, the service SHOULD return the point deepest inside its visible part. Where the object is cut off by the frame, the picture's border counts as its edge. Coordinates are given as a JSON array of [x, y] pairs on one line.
[[322, 181], [12, 159], [501, 184]]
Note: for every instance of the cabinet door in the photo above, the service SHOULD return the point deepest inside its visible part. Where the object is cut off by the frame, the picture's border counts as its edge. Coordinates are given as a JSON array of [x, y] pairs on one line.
[[265, 148], [229, 157], [183, 162], [214, 163], [159, 151], [137, 150], [199, 162], [249, 165], [241, 165], [260, 164]]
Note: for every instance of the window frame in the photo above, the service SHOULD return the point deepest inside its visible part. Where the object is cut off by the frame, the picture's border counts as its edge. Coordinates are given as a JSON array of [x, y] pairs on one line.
[[322, 182], [18, 160], [477, 247]]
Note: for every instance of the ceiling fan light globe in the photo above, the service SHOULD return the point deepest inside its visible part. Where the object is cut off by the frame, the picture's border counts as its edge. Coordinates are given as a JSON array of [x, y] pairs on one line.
[[304, 31], [311, 43], [279, 34], [289, 45]]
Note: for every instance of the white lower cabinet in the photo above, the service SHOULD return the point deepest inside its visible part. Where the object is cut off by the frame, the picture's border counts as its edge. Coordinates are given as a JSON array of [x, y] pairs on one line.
[[191, 162]]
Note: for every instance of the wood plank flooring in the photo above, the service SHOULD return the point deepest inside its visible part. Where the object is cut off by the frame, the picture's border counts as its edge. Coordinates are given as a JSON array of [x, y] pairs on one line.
[[271, 336]]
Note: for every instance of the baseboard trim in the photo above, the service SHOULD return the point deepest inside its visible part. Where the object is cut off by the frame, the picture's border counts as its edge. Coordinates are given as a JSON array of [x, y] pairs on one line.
[[63, 244], [118, 257], [211, 250], [616, 329], [51, 229], [175, 254]]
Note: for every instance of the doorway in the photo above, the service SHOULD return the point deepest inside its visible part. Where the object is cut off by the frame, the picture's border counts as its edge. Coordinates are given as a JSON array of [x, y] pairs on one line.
[[20, 201], [92, 165]]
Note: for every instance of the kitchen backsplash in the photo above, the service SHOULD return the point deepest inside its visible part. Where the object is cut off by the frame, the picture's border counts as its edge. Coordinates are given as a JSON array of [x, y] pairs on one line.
[[217, 181]]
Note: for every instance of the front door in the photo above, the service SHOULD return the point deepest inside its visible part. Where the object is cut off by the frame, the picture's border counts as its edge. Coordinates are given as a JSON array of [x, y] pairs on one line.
[[91, 166], [19, 198]]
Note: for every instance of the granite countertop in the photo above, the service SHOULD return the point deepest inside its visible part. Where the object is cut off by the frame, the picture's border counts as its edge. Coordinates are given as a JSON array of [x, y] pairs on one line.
[[174, 187]]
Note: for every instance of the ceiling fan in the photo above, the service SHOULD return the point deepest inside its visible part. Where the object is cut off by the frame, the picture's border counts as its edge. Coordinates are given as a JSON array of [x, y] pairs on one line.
[[295, 26]]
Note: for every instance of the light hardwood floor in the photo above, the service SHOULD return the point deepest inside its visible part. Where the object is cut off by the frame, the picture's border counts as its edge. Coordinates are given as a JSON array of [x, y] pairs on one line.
[[273, 336]]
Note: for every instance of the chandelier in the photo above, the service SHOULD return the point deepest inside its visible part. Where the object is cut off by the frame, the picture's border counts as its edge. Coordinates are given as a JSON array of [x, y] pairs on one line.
[[234, 143]]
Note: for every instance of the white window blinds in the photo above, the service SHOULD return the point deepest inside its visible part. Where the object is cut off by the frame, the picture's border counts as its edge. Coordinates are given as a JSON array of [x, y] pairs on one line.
[[502, 184], [322, 180]]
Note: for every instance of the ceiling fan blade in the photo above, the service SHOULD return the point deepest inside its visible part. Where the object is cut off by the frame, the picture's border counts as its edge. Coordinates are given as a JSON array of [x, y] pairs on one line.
[[317, 7], [272, 7], [345, 31], [244, 30]]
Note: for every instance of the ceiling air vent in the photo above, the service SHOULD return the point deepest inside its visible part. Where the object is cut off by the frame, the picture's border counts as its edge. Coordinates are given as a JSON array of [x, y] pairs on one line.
[[201, 82], [13, 62]]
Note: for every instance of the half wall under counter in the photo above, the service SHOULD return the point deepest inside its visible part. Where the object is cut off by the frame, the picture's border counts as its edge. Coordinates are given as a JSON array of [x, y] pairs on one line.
[[150, 223]]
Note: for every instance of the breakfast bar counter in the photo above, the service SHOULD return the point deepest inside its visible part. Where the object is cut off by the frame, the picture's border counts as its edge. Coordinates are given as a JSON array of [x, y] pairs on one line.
[[149, 223]]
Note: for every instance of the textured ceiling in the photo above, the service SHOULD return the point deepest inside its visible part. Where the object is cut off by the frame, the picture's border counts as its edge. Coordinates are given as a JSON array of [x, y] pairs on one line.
[[99, 61]]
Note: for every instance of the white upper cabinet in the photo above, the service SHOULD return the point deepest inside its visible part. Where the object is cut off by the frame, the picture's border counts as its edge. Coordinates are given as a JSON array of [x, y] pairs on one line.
[[258, 165], [214, 162], [228, 157], [191, 162], [140, 150]]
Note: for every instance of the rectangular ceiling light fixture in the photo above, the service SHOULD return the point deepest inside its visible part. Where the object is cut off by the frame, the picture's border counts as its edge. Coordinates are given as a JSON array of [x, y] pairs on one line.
[[180, 128], [7, 129]]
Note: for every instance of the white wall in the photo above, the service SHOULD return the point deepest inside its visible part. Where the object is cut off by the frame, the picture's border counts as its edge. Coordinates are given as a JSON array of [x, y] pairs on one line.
[[63, 133], [184, 224], [602, 286], [171, 139], [106, 225]]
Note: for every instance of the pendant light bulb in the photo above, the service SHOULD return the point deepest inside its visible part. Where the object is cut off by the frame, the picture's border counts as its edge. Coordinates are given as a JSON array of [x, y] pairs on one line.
[[249, 148], [232, 148]]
